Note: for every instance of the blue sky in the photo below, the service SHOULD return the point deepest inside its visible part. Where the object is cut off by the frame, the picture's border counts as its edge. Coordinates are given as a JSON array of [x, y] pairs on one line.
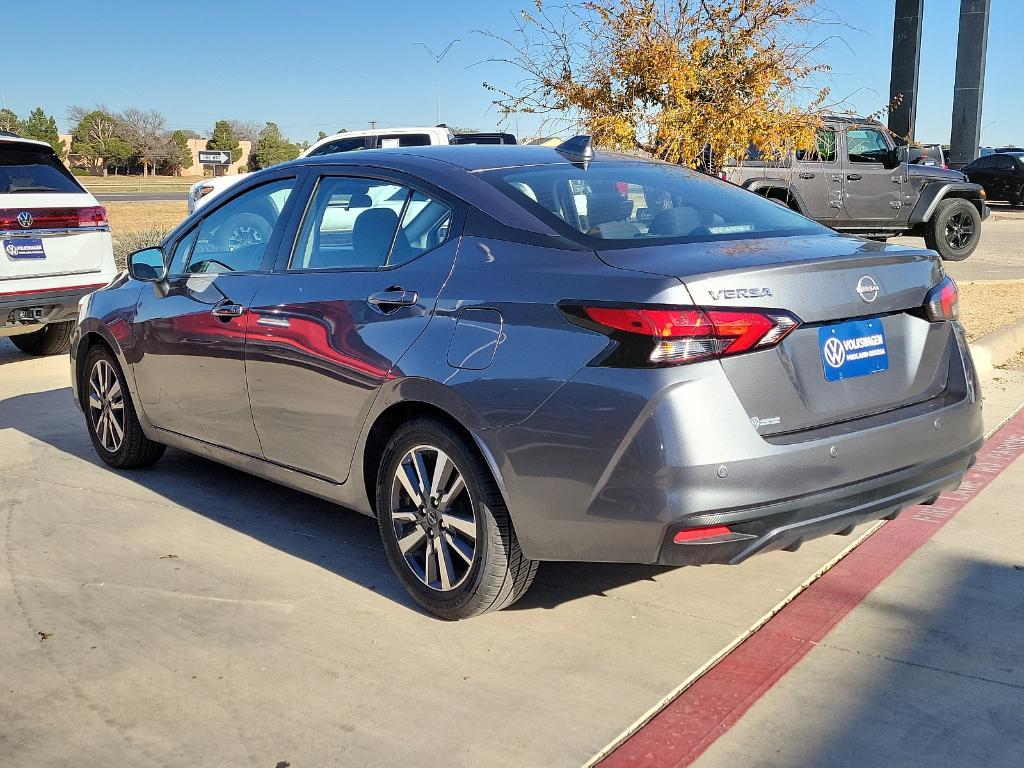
[[313, 66]]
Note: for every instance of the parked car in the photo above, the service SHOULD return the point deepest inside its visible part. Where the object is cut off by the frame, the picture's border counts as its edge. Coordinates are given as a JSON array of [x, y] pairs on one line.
[[351, 141], [1001, 174], [54, 246], [686, 374], [857, 181]]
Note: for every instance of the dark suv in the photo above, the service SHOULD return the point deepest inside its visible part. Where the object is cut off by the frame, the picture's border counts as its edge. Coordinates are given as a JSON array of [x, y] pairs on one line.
[[857, 180], [1001, 174]]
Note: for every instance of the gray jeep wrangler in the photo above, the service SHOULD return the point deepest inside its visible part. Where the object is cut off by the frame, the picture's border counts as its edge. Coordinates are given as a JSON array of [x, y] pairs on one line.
[[857, 181]]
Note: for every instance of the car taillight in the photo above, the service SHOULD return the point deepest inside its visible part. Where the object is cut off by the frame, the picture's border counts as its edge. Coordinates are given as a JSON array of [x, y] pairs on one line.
[[656, 336], [94, 216], [943, 301]]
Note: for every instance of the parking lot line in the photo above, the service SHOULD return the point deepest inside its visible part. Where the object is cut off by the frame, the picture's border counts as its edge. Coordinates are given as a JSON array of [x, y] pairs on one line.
[[683, 729]]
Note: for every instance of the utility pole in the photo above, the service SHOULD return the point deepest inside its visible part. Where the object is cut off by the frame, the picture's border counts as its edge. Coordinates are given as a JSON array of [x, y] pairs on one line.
[[437, 60]]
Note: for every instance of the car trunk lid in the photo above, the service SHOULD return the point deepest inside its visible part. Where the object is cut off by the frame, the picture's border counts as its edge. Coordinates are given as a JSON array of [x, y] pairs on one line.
[[864, 294]]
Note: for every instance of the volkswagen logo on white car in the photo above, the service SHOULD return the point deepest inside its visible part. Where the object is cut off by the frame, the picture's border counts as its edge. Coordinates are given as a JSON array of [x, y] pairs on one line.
[[867, 288], [25, 219], [834, 352]]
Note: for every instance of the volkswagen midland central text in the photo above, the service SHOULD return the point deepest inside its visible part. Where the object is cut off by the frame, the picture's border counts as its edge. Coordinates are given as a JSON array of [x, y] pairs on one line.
[[513, 354]]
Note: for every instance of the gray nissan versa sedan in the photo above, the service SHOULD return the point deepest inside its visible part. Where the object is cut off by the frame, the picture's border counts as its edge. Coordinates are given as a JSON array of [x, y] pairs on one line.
[[512, 354]]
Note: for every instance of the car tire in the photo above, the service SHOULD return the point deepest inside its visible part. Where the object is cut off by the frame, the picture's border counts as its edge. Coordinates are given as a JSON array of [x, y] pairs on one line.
[[428, 535], [954, 229], [51, 339], [110, 416]]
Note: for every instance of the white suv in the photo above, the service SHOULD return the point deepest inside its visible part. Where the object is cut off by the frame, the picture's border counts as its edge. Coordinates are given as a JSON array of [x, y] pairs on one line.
[[55, 246], [349, 141]]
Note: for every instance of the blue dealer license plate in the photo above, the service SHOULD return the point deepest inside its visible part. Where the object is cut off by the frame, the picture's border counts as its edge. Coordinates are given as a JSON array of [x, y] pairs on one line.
[[24, 248], [853, 348]]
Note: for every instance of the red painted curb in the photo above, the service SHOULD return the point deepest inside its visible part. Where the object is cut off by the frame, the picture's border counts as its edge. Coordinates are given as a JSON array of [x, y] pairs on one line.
[[678, 734]]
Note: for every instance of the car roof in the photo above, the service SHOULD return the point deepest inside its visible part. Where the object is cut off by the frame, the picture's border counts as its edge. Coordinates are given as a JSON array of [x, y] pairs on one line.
[[7, 137], [469, 157]]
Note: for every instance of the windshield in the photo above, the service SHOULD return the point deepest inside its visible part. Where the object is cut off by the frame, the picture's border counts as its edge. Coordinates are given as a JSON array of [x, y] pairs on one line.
[[28, 169], [623, 202]]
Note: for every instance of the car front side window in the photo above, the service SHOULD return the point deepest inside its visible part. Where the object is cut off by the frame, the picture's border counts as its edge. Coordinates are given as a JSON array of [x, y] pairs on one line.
[[866, 145], [234, 237]]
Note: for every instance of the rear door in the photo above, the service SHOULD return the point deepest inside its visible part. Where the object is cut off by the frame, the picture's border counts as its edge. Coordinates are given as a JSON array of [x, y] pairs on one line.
[[339, 311], [189, 334], [819, 177], [52, 232], [871, 189]]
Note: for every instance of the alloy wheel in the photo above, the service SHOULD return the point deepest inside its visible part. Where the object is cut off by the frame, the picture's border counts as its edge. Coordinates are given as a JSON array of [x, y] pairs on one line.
[[106, 406], [433, 518], [959, 231]]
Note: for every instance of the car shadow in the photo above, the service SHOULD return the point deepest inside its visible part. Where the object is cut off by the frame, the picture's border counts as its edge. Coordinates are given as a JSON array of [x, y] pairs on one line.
[[339, 540]]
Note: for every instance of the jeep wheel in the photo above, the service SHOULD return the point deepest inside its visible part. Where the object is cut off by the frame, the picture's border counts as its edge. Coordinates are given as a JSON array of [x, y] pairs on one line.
[[954, 229]]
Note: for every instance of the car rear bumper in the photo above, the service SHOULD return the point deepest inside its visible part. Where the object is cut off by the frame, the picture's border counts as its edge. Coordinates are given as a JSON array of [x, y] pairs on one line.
[[788, 524], [611, 471], [24, 311]]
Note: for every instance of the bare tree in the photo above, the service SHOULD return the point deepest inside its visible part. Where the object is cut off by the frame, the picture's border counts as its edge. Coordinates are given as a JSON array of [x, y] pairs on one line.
[[144, 130], [96, 138], [246, 130]]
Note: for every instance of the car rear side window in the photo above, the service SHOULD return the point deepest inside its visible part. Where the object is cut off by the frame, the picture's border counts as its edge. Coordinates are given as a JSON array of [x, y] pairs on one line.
[[234, 237], [824, 150], [25, 168], [357, 223], [636, 203], [340, 145]]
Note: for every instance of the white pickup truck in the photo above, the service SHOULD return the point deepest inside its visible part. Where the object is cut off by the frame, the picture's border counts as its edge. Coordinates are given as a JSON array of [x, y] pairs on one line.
[[350, 141], [55, 246]]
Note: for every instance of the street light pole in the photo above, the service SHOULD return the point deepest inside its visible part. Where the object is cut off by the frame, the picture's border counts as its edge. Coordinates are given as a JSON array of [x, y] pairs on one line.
[[437, 60]]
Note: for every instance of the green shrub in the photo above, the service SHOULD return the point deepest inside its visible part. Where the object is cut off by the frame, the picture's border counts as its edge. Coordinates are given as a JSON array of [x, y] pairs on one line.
[[80, 172], [129, 242]]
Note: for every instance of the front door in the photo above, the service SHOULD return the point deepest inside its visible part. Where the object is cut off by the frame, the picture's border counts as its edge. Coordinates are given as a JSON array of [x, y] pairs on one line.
[[330, 324], [872, 187], [189, 333]]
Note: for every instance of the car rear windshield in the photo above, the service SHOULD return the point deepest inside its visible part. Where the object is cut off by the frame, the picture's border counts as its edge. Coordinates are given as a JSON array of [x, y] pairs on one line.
[[626, 203], [27, 169]]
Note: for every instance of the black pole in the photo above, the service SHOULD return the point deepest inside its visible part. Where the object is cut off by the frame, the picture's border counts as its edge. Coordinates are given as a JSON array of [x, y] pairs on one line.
[[969, 86], [906, 63]]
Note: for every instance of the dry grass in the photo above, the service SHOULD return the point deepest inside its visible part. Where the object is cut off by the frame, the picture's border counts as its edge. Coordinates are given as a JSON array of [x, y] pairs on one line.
[[137, 183], [140, 225], [987, 306], [127, 217]]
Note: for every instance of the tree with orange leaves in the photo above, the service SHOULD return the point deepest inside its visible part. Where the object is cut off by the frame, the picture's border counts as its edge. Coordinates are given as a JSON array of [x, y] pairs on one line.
[[671, 78]]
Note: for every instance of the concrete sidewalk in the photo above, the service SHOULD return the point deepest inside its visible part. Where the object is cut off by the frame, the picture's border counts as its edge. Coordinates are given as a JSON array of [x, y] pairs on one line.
[[928, 670]]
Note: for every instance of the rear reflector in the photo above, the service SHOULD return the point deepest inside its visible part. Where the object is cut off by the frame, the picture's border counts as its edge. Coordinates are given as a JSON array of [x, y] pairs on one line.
[[15, 219], [943, 301], [696, 534], [655, 336]]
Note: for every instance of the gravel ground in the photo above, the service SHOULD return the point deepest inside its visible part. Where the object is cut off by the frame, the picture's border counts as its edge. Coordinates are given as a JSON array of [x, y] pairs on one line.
[[987, 306]]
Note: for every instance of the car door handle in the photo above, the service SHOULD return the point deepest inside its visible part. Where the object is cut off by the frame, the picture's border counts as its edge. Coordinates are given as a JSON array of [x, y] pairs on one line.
[[806, 175], [226, 310], [854, 177], [393, 297]]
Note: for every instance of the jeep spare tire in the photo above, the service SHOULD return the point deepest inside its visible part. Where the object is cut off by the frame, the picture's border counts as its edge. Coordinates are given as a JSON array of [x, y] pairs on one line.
[[954, 229]]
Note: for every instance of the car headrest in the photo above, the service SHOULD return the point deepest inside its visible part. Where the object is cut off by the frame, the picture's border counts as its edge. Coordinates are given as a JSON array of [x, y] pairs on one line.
[[602, 208], [359, 200], [372, 235]]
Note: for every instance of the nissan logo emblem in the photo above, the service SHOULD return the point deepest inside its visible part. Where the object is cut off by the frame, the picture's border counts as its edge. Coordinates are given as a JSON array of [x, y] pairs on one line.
[[867, 288], [25, 219]]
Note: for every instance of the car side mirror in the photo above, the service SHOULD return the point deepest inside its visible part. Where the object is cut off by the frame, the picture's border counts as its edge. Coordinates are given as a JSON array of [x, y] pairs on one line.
[[147, 265], [900, 155]]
